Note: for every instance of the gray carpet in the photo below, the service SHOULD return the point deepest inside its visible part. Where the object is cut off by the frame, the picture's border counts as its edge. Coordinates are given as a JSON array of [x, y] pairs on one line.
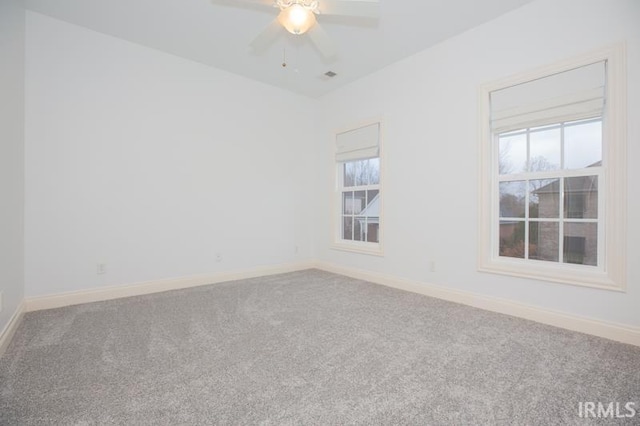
[[307, 347]]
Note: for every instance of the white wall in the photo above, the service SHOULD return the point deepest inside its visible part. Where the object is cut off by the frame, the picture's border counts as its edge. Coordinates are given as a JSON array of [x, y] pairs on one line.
[[430, 107], [12, 29], [153, 164]]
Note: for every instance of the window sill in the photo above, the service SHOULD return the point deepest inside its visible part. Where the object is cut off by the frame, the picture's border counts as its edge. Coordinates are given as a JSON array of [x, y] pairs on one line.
[[371, 249], [564, 274]]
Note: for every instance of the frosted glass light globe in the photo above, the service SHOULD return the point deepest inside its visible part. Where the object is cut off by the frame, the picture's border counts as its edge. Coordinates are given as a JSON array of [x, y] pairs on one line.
[[297, 19]]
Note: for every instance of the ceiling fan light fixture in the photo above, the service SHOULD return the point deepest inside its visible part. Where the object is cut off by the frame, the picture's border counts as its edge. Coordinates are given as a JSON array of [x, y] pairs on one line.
[[297, 19]]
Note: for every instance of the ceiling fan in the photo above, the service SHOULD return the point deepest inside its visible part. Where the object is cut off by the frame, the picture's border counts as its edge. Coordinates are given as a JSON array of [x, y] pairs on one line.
[[299, 17]]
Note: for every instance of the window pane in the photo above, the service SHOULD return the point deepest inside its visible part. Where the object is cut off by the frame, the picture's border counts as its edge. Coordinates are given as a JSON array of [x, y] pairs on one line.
[[372, 230], [581, 197], [349, 174], [372, 208], [543, 241], [374, 171], [359, 201], [513, 154], [361, 172], [347, 203], [583, 145], [512, 238], [544, 150], [581, 243], [544, 198], [512, 198], [359, 229], [347, 227], [372, 195]]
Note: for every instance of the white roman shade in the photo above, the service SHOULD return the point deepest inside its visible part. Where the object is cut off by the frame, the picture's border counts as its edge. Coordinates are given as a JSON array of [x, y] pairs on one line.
[[358, 144], [569, 95]]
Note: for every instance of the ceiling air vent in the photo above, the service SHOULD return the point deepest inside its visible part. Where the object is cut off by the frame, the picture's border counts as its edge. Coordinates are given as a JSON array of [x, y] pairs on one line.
[[327, 76]]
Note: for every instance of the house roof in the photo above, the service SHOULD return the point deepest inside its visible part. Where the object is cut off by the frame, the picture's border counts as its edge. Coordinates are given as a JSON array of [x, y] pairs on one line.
[[373, 208]]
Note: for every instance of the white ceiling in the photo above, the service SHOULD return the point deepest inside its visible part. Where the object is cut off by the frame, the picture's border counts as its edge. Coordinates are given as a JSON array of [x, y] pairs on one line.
[[218, 34]]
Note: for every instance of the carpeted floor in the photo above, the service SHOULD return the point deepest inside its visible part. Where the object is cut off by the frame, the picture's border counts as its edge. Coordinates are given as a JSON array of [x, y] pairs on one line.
[[307, 347]]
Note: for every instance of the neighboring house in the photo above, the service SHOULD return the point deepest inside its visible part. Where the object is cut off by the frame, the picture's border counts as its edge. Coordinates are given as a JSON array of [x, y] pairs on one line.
[[580, 238], [580, 202]]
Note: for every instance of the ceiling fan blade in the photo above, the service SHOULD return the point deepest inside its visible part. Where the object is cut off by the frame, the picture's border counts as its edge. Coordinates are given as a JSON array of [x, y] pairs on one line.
[[323, 42], [266, 36], [362, 8]]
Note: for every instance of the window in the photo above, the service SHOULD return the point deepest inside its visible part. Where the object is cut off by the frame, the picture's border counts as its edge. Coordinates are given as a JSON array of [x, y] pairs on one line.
[[553, 173], [538, 167], [361, 200], [358, 190]]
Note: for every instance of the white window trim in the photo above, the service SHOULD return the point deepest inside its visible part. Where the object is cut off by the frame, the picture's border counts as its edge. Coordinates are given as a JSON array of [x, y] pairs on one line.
[[613, 272], [337, 243]]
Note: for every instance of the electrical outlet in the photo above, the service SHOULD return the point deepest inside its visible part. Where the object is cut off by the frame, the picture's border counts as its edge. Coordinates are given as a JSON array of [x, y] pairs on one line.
[[296, 250], [432, 266], [101, 268], [218, 257]]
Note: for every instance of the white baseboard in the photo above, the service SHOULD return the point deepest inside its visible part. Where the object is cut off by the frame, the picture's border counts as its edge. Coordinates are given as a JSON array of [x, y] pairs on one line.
[[10, 328], [613, 331], [116, 292]]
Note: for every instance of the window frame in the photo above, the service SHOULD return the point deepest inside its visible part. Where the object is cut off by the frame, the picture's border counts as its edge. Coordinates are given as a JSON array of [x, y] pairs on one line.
[[337, 242], [611, 271]]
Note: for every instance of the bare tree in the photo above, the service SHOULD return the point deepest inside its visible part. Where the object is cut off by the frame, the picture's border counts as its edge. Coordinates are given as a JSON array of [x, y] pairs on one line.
[[541, 164], [504, 165]]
